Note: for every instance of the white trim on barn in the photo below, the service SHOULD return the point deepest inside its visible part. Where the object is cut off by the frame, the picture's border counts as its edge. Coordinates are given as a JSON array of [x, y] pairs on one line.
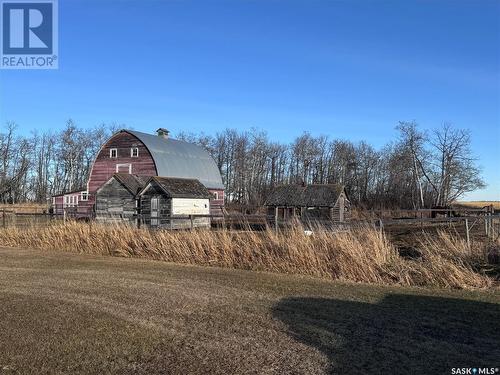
[[129, 165]]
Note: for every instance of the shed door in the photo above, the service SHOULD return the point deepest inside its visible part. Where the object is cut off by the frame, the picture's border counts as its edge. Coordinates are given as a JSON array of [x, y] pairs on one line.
[[155, 203]]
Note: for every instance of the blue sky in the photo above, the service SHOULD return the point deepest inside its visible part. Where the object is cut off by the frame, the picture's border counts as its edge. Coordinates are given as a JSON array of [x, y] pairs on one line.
[[347, 69]]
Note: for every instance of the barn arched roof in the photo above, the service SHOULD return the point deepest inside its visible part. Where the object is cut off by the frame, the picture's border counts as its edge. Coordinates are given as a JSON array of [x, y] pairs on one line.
[[174, 158]]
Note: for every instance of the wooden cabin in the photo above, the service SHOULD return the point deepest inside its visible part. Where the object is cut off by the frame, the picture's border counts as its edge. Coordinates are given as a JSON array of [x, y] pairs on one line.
[[173, 203], [116, 199], [309, 203], [136, 153]]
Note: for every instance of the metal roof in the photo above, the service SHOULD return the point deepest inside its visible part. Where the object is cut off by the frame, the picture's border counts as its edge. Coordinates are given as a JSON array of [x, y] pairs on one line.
[[174, 158]]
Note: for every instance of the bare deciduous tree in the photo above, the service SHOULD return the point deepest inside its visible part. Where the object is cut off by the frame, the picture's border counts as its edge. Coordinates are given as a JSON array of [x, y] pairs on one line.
[[417, 170]]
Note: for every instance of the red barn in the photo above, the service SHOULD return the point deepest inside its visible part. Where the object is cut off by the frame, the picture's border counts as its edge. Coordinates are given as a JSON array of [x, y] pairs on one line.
[[141, 154]]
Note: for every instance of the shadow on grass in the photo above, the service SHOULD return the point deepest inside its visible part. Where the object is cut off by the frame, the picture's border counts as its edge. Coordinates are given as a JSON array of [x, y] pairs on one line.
[[403, 334]]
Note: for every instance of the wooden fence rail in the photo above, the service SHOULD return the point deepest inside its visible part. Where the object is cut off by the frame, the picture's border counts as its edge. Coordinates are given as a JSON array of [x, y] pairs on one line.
[[255, 221]]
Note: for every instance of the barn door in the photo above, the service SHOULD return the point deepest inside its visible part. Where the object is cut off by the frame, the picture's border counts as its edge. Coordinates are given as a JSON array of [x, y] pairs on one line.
[[155, 203]]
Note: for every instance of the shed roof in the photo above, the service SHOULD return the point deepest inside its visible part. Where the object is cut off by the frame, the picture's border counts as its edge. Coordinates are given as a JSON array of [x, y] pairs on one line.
[[324, 195], [70, 192], [131, 182], [180, 187], [174, 158]]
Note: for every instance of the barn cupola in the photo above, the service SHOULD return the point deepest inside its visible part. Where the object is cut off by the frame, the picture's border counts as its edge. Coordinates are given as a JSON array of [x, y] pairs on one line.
[[162, 132]]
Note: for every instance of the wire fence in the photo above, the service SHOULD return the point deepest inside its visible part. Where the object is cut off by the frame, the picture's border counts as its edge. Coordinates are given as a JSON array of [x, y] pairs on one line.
[[484, 224]]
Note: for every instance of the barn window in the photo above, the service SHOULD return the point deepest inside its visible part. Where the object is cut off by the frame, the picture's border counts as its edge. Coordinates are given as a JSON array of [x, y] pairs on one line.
[[85, 196], [134, 152], [216, 195], [124, 168], [113, 153]]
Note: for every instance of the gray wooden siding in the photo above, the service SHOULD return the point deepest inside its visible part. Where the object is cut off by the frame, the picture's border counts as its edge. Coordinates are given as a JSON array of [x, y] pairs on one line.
[[341, 211], [164, 206], [314, 213], [114, 202], [165, 211]]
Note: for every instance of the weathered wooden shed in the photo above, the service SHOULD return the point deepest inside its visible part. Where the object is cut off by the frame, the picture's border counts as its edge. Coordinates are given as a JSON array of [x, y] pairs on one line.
[[116, 199], [318, 202], [174, 203]]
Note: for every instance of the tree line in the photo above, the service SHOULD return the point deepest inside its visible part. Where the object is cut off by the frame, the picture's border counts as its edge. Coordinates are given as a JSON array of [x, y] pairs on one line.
[[34, 167], [416, 169]]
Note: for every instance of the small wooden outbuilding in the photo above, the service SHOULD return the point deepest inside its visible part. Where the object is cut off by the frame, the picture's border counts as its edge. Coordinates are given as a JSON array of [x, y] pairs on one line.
[[318, 202], [174, 203], [116, 199]]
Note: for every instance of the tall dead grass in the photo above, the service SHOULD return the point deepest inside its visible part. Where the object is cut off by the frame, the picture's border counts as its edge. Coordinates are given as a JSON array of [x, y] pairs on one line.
[[360, 255]]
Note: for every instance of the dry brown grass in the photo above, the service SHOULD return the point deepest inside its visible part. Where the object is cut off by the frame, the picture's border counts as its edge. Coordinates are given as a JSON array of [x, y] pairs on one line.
[[479, 204], [447, 261], [361, 255], [27, 208]]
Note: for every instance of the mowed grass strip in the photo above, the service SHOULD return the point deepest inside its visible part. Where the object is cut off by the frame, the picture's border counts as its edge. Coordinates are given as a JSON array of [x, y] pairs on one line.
[[66, 313]]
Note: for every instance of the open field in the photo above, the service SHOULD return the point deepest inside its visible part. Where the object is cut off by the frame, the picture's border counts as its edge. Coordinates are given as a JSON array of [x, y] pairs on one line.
[[81, 314], [27, 208], [479, 204]]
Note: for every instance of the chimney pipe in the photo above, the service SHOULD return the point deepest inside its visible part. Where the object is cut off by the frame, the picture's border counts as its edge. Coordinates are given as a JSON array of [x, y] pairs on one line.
[[161, 132]]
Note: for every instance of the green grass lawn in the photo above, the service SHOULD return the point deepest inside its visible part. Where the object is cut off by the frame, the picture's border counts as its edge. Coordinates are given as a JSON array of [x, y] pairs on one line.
[[63, 313]]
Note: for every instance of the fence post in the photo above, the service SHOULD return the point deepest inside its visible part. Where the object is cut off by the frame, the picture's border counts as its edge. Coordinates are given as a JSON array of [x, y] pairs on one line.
[[490, 225], [493, 229], [191, 219], [467, 232], [276, 218], [380, 225], [4, 224]]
